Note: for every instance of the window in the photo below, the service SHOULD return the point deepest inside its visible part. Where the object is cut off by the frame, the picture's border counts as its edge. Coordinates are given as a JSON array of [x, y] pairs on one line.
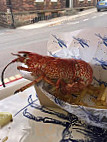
[[54, 0], [39, 0], [81, 0]]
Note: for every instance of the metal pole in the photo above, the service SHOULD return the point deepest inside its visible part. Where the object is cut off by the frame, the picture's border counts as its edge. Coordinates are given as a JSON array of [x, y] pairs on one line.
[[11, 11]]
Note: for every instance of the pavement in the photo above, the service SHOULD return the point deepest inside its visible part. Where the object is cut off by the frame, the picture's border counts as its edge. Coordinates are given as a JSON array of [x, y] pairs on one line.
[[58, 20]]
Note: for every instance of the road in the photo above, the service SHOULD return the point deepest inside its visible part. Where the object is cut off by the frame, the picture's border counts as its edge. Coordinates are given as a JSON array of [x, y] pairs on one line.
[[35, 39]]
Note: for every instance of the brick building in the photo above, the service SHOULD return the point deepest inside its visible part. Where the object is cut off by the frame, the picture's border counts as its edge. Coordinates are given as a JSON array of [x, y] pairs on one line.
[[84, 3], [21, 12], [80, 3]]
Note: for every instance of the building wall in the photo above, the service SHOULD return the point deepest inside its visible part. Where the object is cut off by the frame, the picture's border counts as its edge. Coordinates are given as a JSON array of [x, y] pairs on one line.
[[23, 5], [48, 5], [32, 5], [83, 3], [30, 11], [3, 6]]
